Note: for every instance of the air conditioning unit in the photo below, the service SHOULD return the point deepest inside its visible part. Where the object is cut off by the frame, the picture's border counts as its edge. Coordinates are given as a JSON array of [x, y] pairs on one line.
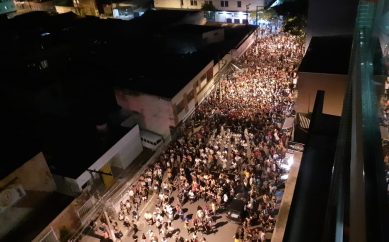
[[10, 195]]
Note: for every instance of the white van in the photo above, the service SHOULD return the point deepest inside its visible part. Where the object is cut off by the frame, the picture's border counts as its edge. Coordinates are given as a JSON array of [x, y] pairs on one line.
[[150, 139]]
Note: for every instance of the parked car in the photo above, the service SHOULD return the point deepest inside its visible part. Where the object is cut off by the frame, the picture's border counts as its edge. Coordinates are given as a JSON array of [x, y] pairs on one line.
[[235, 210], [150, 139]]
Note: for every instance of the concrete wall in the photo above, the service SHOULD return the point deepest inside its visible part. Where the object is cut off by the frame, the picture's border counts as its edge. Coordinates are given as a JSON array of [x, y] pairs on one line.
[[87, 7], [65, 9], [233, 5], [131, 147], [33, 175], [67, 219], [334, 86], [35, 178], [120, 155], [169, 4], [36, 6], [157, 113], [67, 185], [283, 214]]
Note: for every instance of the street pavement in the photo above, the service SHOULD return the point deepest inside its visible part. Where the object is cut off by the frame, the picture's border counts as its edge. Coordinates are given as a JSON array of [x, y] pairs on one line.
[[225, 229]]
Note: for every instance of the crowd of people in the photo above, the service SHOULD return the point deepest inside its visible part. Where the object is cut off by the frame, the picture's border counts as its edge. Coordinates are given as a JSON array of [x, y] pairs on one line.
[[233, 143]]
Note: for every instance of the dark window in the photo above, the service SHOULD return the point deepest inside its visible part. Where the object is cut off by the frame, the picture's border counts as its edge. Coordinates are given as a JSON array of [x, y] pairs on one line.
[[239, 4], [180, 106], [193, 2], [237, 21], [229, 20], [84, 185], [190, 95], [210, 74]]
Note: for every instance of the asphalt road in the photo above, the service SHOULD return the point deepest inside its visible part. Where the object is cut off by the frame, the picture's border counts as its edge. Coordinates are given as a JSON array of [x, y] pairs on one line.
[[225, 229]]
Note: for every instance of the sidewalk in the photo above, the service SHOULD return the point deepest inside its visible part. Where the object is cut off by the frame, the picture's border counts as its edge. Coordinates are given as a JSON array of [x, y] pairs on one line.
[[122, 178]]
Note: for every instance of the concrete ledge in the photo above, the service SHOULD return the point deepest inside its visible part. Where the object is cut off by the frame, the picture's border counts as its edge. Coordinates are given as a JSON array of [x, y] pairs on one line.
[[282, 218]]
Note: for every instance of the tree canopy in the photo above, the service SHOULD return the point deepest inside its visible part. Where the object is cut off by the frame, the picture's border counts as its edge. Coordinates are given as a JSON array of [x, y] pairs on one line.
[[208, 6]]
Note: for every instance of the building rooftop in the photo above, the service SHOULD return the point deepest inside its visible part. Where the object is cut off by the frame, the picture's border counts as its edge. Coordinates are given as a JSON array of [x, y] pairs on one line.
[[327, 55], [47, 210], [59, 120], [20, 143], [77, 145], [171, 71], [192, 29], [61, 71]]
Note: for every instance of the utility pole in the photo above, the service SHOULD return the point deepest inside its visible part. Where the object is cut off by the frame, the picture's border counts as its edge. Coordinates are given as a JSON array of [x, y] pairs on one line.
[[247, 13], [109, 225], [99, 172], [220, 91], [112, 233], [220, 80], [256, 15]]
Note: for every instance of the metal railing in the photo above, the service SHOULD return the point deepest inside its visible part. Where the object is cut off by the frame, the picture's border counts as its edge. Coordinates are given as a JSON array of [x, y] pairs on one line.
[[49, 237], [86, 207], [358, 208]]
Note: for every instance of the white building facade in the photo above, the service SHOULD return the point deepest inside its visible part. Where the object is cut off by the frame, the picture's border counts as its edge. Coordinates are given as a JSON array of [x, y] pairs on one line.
[[228, 11], [221, 5], [120, 155], [162, 115]]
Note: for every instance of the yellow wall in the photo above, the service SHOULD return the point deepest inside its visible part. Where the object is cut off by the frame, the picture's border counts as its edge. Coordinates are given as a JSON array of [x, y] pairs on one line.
[[107, 179]]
